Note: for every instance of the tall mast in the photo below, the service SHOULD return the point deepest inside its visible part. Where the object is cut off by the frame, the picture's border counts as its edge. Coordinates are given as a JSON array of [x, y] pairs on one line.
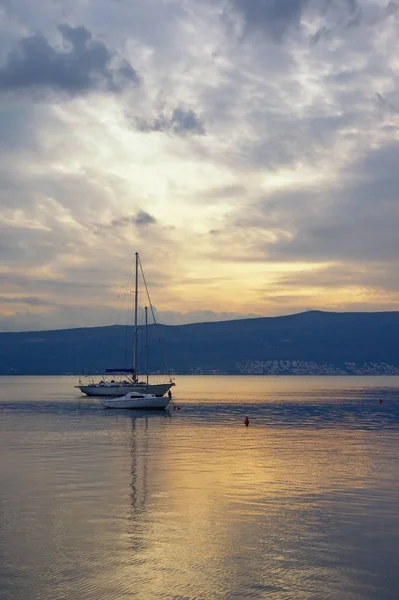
[[146, 345], [136, 301]]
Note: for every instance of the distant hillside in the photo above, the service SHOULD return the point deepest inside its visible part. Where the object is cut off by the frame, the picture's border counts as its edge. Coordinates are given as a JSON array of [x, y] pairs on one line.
[[307, 343]]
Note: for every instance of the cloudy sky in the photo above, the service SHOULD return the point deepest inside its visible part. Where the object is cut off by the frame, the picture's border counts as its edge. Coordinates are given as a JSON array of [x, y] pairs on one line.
[[248, 149]]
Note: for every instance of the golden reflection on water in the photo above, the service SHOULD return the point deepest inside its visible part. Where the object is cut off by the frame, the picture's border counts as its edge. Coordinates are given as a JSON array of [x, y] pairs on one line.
[[208, 498], [192, 504]]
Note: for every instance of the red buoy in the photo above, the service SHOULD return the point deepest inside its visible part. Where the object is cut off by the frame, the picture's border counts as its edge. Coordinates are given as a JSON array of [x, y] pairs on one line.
[[380, 400]]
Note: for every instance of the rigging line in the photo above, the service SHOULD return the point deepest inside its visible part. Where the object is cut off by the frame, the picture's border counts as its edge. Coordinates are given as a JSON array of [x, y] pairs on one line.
[[155, 321]]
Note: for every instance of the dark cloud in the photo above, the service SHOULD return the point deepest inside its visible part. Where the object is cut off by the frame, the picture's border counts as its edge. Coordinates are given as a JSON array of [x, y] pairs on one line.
[[180, 122], [144, 218], [276, 17], [141, 218], [392, 8], [273, 16], [80, 66]]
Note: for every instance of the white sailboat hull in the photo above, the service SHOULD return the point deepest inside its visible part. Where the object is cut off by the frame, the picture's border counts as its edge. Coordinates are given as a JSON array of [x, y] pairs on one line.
[[136, 401], [117, 389]]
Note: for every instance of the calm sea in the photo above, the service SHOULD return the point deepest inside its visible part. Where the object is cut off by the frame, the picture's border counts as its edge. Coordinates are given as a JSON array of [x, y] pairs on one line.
[[190, 504]]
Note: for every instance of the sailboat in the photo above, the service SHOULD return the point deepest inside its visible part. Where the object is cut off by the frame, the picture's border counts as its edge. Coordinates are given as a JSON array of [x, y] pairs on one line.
[[137, 401], [126, 381]]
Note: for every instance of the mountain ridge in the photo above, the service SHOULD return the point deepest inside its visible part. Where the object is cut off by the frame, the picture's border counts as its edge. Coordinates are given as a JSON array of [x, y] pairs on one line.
[[311, 342]]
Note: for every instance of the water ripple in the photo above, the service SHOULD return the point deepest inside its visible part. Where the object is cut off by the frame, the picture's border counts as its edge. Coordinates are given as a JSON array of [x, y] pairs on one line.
[[189, 504]]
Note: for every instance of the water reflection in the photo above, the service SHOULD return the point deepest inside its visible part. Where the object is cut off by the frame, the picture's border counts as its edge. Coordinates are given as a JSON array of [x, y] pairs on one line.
[[263, 512], [113, 504], [139, 469]]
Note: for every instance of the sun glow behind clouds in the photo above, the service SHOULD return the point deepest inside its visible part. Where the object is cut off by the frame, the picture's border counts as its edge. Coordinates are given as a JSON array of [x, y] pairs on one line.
[[246, 169]]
